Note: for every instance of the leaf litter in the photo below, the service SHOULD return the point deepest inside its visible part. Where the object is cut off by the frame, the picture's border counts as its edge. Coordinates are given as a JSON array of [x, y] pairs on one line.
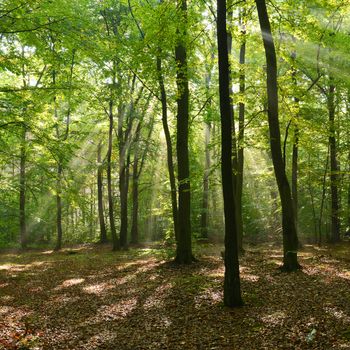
[[137, 300]]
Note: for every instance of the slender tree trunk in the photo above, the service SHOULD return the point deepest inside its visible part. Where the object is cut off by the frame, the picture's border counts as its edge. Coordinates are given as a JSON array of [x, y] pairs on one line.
[[135, 199], [295, 152], [123, 188], [290, 238], [103, 231], [170, 162], [348, 198], [205, 197], [123, 181], [59, 205], [311, 192], [240, 139], [22, 191], [323, 200], [137, 170], [334, 175], [123, 204], [135, 189], [184, 241], [115, 241], [232, 289]]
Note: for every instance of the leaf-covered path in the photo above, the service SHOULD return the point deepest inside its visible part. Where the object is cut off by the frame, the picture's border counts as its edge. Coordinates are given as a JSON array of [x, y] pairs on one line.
[[133, 300]]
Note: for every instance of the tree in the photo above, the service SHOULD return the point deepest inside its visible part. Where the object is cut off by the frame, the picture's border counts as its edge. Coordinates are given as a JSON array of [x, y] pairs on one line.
[[103, 231], [184, 246], [232, 290], [290, 238]]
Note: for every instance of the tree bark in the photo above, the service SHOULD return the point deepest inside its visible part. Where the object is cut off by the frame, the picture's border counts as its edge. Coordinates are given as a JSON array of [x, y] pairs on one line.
[[103, 231], [184, 240], [232, 289], [240, 138], [22, 191], [115, 241], [334, 175], [205, 197], [290, 238], [170, 162], [59, 205], [295, 151], [135, 200]]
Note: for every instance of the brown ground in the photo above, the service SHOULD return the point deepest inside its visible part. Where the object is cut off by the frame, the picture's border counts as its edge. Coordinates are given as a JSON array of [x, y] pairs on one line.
[[135, 300]]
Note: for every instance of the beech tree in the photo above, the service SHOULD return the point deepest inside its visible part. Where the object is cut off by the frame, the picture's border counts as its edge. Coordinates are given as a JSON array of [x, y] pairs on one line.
[[232, 290], [290, 238]]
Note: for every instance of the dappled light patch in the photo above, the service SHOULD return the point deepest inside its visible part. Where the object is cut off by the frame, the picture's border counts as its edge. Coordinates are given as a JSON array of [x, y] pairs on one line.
[[11, 267], [61, 300], [208, 296], [345, 275], [6, 298], [250, 277], [246, 274], [47, 252], [69, 283], [156, 299], [98, 289], [116, 311], [337, 313], [5, 310], [275, 319]]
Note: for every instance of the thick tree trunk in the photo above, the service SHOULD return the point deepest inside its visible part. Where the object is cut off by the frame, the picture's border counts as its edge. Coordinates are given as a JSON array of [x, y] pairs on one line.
[[290, 238], [170, 162], [334, 175], [103, 231], [184, 239], [115, 240], [232, 289], [22, 191]]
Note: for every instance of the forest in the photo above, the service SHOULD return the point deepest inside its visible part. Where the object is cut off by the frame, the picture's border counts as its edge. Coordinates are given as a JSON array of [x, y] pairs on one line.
[[174, 174]]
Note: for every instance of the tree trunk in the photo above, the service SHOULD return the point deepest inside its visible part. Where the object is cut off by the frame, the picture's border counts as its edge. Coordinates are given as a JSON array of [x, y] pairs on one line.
[[22, 191], [232, 289], [240, 139], [123, 178], [115, 241], [334, 175], [103, 231], [205, 197], [170, 162], [135, 199], [184, 242], [322, 200], [59, 205], [295, 152], [290, 238], [123, 188]]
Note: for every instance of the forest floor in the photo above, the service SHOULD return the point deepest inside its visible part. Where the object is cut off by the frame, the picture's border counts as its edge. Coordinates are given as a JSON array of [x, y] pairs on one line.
[[91, 298]]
